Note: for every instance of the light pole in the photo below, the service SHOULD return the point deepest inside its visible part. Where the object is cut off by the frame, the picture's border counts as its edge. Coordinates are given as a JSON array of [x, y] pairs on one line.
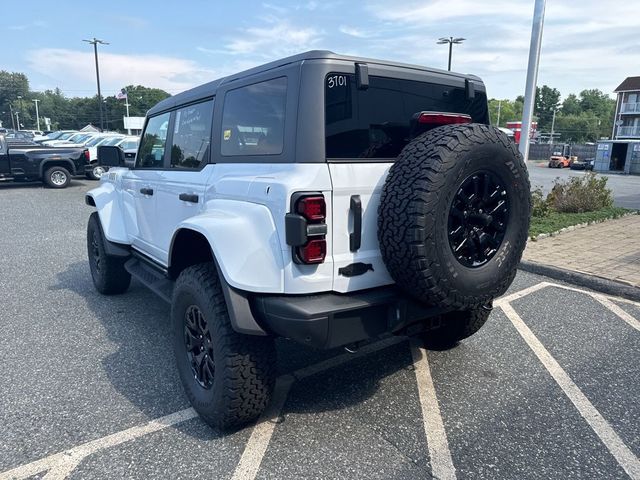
[[19, 110], [450, 41], [95, 43], [532, 76], [35, 100], [13, 120]]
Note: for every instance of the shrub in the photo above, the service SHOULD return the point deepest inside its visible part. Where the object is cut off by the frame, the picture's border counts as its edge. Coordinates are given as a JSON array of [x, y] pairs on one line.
[[540, 205], [580, 194]]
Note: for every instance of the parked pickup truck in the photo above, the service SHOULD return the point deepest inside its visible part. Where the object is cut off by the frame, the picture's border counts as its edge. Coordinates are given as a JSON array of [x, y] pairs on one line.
[[54, 166]]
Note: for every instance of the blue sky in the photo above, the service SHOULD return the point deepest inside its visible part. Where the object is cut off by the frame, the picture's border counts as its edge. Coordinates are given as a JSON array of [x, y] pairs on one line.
[[177, 45]]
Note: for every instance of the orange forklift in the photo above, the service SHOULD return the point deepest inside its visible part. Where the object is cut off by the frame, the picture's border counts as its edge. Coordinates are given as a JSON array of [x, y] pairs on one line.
[[561, 156]]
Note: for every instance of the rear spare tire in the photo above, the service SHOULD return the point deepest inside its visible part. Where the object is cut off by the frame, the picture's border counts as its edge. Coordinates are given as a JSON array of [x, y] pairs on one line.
[[454, 216]]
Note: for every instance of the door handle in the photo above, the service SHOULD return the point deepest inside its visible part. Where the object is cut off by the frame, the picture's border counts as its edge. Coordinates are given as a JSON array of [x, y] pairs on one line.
[[146, 191], [189, 197], [355, 238]]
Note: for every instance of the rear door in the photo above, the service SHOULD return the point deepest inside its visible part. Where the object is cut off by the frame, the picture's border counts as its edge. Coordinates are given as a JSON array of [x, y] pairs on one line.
[[365, 129]]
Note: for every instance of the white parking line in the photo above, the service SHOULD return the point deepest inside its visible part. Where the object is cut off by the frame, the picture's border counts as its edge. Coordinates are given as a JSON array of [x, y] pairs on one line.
[[260, 437], [61, 464], [627, 460], [618, 311], [262, 432], [441, 462]]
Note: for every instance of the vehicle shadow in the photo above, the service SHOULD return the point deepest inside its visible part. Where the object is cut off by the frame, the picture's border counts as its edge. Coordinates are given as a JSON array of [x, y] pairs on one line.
[[142, 367]]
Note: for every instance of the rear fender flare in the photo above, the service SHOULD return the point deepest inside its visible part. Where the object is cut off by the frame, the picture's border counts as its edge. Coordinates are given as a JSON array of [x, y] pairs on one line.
[[245, 243]]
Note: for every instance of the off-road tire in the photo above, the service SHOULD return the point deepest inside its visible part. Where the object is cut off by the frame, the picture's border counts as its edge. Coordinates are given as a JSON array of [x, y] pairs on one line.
[[107, 271], [244, 365], [455, 326], [415, 206], [52, 173]]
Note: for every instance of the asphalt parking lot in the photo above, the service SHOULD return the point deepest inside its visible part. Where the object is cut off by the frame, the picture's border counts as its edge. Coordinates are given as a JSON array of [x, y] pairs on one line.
[[88, 389], [626, 188]]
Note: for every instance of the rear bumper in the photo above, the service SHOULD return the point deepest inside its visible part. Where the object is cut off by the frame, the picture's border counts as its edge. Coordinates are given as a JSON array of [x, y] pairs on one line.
[[331, 320]]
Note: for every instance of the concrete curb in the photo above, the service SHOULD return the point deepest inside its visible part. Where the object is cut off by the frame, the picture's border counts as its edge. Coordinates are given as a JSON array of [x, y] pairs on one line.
[[570, 228], [599, 284]]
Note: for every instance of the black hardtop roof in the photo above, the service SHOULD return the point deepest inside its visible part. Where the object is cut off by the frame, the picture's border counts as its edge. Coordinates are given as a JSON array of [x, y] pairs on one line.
[[210, 88]]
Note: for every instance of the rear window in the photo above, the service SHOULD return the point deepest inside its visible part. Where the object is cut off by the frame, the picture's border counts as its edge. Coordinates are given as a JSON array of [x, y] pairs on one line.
[[253, 119], [376, 122]]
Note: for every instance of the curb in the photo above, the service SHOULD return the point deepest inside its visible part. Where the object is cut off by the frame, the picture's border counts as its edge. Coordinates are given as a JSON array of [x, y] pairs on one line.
[[593, 282], [570, 228]]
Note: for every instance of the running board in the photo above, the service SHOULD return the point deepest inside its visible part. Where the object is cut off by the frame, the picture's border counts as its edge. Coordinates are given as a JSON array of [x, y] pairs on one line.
[[151, 278]]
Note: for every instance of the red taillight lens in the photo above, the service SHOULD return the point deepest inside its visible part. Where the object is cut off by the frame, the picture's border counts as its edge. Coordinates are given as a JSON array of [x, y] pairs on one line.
[[314, 251], [438, 119], [87, 156], [312, 208]]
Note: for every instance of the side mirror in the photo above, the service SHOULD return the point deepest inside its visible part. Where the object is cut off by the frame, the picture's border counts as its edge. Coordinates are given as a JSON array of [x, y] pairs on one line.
[[110, 156]]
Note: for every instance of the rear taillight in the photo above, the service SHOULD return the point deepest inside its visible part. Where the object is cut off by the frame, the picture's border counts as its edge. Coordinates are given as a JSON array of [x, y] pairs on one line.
[[439, 118], [306, 228], [312, 208], [87, 156], [313, 252]]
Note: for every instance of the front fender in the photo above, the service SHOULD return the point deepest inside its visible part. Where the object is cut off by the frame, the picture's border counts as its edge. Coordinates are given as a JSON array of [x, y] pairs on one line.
[[245, 243], [107, 201]]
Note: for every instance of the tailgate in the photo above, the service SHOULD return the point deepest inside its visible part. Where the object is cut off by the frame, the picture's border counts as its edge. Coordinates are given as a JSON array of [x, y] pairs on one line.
[[364, 181]]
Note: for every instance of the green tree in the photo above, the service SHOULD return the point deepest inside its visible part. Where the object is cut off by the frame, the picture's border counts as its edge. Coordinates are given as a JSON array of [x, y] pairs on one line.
[[12, 86], [571, 105], [546, 102]]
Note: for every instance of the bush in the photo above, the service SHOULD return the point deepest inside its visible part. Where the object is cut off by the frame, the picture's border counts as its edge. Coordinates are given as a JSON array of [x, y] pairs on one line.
[[540, 205], [580, 194]]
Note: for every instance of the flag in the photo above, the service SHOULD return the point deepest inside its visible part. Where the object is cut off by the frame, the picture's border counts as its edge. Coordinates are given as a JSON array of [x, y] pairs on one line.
[[121, 95]]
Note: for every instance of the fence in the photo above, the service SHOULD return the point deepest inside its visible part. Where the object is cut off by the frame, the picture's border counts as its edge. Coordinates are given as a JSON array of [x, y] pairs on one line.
[[542, 151]]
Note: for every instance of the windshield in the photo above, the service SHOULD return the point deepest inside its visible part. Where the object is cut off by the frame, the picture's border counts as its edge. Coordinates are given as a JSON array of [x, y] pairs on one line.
[[112, 141], [95, 141], [75, 137], [63, 136]]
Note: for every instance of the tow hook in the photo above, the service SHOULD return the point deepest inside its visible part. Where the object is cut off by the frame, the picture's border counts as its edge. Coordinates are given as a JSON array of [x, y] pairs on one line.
[[488, 306], [352, 347]]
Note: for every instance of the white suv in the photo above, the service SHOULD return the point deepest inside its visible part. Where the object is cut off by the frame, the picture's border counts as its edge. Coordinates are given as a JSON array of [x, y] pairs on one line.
[[322, 198]]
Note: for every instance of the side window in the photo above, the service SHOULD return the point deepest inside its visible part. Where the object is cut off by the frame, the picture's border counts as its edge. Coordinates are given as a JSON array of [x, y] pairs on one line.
[[192, 135], [153, 142], [253, 119]]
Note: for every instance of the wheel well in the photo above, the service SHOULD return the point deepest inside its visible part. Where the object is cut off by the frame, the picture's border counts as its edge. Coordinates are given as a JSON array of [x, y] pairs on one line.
[[57, 163], [188, 248]]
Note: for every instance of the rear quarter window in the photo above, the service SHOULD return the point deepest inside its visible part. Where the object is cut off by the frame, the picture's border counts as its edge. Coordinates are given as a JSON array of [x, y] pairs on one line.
[[376, 122], [253, 119]]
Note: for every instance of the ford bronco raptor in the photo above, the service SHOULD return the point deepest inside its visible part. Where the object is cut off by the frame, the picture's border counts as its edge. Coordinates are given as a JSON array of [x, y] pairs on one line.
[[322, 198]]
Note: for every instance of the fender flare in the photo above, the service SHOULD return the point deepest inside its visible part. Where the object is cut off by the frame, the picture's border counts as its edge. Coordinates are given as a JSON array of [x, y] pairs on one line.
[[244, 241], [107, 202]]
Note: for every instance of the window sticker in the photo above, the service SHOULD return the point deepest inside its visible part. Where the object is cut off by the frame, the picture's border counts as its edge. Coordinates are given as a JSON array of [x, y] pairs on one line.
[[227, 134]]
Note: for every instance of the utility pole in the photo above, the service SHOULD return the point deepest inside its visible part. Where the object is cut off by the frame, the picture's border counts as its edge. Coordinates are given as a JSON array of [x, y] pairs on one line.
[[499, 107], [95, 43], [13, 120], [553, 124], [532, 76], [450, 41], [35, 100], [126, 104], [20, 110]]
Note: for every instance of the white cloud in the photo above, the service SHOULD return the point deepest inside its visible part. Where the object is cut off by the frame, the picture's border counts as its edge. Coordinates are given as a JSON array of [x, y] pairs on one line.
[[279, 38], [71, 68], [355, 32]]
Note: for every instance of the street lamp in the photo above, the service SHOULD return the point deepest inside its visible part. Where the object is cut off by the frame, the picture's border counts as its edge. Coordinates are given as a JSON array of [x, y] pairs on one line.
[[35, 100], [450, 41], [95, 43]]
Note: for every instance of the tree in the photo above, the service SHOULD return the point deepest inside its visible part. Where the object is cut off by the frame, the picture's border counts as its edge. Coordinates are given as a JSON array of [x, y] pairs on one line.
[[547, 101], [12, 86], [571, 105], [510, 111]]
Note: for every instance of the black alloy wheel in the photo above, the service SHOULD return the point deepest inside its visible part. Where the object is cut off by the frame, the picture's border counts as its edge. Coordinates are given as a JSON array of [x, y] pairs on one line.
[[478, 219], [197, 338]]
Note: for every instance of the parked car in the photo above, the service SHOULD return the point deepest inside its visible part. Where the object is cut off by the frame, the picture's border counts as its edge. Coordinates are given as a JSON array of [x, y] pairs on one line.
[[77, 140], [325, 199], [58, 136], [582, 164], [53, 166], [95, 171]]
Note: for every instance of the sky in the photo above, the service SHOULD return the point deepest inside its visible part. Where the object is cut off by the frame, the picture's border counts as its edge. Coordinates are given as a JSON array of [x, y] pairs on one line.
[[178, 45]]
